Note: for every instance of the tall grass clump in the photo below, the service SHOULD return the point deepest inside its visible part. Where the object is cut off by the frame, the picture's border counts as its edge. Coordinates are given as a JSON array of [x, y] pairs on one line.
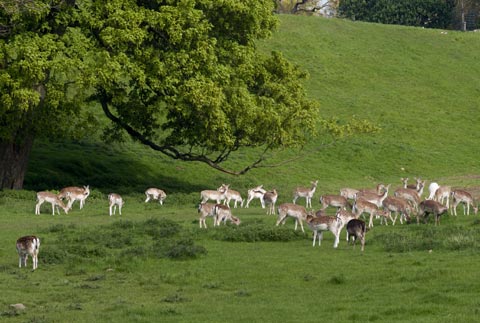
[[256, 231], [122, 240], [448, 238]]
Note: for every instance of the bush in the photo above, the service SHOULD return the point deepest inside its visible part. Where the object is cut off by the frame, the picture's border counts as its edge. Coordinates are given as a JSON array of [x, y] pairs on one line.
[[256, 232]]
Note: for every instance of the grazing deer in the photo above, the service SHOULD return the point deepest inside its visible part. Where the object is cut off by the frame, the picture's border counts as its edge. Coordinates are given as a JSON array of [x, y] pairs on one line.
[[427, 207], [298, 212], [156, 194], [51, 198], [307, 193], [223, 213], [219, 195], [256, 193], [348, 193], [398, 206], [74, 193], [363, 206], [233, 195], [442, 193], [357, 229], [461, 196], [410, 194], [337, 201], [206, 209], [114, 200], [270, 198], [374, 198], [28, 246], [379, 190]]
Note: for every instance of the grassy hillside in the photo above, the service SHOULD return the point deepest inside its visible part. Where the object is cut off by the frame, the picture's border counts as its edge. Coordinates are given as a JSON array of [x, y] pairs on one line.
[[419, 85], [154, 263]]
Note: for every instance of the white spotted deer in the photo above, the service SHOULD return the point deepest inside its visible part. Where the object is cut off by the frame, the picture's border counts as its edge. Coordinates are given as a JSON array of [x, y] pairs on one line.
[[298, 212], [443, 193], [410, 194], [232, 195], [156, 194], [338, 201], [374, 198], [270, 198], [51, 198], [464, 197], [114, 201], [256, 193], [333, 224], [74, 193], [427, 207], [363, 206], [206, 209], [399, 206], [28, 246], [305, 192], [219, 195], [415, 186], [222, 214]]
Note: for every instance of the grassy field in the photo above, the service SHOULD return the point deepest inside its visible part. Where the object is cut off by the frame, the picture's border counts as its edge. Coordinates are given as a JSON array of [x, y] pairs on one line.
[[153, 263]]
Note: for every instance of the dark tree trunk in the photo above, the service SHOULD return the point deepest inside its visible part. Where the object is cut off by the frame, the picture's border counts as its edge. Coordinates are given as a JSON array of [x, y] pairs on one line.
[[13, 162]]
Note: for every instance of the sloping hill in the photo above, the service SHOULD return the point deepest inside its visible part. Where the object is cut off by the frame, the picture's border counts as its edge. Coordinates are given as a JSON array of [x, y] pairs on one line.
[[421, 86]]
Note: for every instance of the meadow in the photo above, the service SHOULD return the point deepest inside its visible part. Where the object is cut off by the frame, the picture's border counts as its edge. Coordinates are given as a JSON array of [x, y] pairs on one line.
[[153, 263]]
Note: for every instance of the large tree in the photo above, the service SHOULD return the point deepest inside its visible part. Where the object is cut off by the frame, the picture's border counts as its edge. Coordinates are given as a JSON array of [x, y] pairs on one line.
[[183, 77]]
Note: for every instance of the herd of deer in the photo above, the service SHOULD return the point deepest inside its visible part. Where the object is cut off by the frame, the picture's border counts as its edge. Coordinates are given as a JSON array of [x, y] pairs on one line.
[[405, 203], [29, 245], [350, 203]]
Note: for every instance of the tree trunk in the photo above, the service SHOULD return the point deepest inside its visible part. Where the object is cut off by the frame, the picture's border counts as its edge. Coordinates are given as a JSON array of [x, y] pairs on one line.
[[13, 162]]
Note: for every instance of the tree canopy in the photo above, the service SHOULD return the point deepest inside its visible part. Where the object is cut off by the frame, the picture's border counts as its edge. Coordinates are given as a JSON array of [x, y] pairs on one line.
[[183, 77]]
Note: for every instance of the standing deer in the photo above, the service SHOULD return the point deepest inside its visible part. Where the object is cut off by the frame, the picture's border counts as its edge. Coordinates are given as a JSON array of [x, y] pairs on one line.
[[114, 200], [374, 198], [333, 224], [28, 246], [219, 195], [256, 193], [299, 213], [364, 206], [357, 229], [432, 189], [410, 194], [464, 197], [51, 198], [232, 195], [415, 186], [442, 193], [307, 193], [156, 194], [398, 206], [206, 209], [74, 193], [270, 198], [349, 193], [337, 201]]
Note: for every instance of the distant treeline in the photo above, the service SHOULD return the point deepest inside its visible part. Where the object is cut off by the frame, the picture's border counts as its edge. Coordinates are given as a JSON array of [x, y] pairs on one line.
[[443, 14]]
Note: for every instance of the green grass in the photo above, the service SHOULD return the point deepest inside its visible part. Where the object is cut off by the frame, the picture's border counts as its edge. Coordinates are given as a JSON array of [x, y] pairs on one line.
[[98, 268], [154, 263]]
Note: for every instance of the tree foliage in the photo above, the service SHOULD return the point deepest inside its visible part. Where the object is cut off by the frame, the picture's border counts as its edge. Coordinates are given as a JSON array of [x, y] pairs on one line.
[[421, 13], [182, 77]]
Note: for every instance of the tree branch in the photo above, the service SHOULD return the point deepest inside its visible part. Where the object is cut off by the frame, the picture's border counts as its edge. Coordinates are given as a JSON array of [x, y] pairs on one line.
[[171, 151]]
